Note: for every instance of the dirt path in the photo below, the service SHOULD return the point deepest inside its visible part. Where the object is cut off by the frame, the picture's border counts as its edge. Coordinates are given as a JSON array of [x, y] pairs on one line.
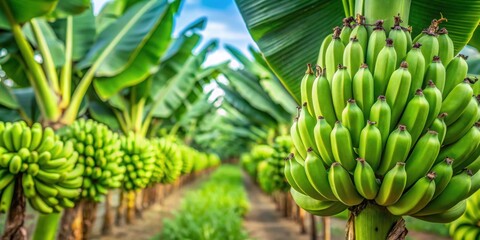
[[151, 222], [263, 222]]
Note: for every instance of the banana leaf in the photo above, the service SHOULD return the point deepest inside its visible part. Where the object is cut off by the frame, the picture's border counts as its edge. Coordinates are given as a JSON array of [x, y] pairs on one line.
[[24, 10], [290, 33]]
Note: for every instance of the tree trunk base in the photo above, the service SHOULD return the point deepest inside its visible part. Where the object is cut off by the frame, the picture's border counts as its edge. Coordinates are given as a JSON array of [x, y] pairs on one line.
[[14, 229], [89, 216], [70, 226], [107, 227]]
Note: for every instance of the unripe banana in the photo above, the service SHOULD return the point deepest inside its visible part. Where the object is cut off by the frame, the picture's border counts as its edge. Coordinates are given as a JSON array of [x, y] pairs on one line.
[[462, 149], [392, 185], [7, 138], [434, 99], [461, 126], [15, 134], [353, 120], [365, 180], [342, 146], [322, 133], [455, 73], [384, 66], [362, 87], [436, 73], [28, 185], [320, 208], [360, 32], [399, 38], [26, 137], [381, 114], [306, 124], [346, 30], [456, 101], [456, 191], [322, 98], [445, 46], [323, 51], [397, 149], [408, 33], [422, 157], [416, 198], [341, 90], [353, 56], [300, 177], [397, 91], [370, 145], [376, 42], [447, 216], [334, 54], [318, 176], [342, 185], [416, 63], [306, 89], [7, 197], [288, 174], [430, 45], [415, 115], [440, 127], [444, 173], [297, 140]]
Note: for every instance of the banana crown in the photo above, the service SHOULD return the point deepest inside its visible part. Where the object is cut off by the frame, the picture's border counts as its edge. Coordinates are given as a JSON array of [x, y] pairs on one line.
[[420, 98]]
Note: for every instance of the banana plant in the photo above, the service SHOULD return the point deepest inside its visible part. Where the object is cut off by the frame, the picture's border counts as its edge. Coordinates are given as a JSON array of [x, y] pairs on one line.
[[290, 35]]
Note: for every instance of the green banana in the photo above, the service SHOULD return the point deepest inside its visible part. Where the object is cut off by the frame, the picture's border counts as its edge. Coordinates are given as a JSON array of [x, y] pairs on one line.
[[415, 115], [362, 87], [422, 157], [322, 132], [323, 51], [456, 101], [346, 30], [376, 42], [341, 90], [318, 176], [360, 32], [461, 126], [381, 114], [7, 197], [306, 124], [28, 185], [434, 99], [446, 216], [392, 185], [301, 180], [416, 63], [440, 127], [342, 185], [353, 120], [445, 46], [297, 140], [306, 89], [342, 146], [396, 150], [456, 71], [353, 56], [384, 66], [430, 45], [370, 145], [334, 54], [461, 150], [365, 180], [444, 173], [40, 205], [322, 208], [399, 38], [456, 191], [416, 198], [397, 91], [322, 98], [15, 134], [436, 73]]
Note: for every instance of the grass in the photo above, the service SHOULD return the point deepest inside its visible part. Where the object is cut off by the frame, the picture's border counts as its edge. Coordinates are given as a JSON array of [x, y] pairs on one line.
[[214, 211]]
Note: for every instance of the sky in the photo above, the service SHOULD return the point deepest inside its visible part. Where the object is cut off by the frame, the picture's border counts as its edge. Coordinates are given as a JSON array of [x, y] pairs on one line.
[[224, 23]]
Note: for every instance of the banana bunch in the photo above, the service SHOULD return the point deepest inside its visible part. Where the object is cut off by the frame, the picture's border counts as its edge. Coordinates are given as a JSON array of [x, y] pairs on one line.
[[386, 119], [172, 160], [159, 171], [188, 156], [45, 167], [467, 227], [258, 154], [138, 161], [99, 153], [265, 171], [276, 163]]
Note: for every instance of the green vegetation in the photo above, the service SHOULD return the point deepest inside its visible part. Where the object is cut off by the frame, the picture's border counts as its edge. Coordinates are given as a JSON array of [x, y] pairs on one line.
[[214, 211]]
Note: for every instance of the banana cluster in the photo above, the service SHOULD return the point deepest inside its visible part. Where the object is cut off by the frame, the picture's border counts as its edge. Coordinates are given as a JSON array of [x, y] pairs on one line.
[[167, 152], [273, 172], [99, 153], [138, 161], [46, 167], [258, 154], [467, 227], [386, 120], [188, 155]]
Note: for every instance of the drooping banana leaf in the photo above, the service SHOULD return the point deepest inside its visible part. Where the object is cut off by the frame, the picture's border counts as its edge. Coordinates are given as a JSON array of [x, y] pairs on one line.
[[290, 33], [24, 10], [475, 40], [70, 7], [7, 98], [14, 67]]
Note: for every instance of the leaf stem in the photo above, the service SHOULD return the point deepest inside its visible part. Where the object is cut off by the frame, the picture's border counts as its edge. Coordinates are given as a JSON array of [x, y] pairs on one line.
[[66, 72], [121, 121]]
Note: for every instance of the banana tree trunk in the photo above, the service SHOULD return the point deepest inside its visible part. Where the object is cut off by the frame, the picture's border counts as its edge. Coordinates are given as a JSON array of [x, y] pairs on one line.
[[89, 215], [107, 218], [121, 208], [370, 221], [131, 207], [70, 226], [14, 228]]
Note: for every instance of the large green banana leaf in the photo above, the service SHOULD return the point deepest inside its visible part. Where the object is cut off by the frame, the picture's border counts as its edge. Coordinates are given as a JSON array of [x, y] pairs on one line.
[[289, 33], [70, 7], [24, 10], [117, 47], [7, 98], [14, 67], [475, 41]]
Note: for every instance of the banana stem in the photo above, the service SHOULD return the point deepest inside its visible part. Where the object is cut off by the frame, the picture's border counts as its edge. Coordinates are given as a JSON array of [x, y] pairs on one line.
[[14, 227], [66, 72], [370, 221], [46, 227]]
